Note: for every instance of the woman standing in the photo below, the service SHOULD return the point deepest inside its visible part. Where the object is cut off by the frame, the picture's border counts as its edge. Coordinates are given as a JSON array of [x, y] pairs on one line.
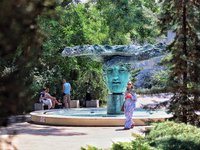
[[129, 105]]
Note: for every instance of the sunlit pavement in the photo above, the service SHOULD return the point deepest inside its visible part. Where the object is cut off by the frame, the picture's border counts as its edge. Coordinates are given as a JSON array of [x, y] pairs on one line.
[[32, 136], [35, 137]]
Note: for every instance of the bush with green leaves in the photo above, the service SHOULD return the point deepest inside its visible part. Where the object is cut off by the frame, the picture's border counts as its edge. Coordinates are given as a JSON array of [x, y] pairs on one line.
[[137, 144], [170, 135], [90, 148], [164, 136]]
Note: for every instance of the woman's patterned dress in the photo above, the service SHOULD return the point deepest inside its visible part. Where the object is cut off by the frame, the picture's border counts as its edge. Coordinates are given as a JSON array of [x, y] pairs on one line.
[[129, 106]]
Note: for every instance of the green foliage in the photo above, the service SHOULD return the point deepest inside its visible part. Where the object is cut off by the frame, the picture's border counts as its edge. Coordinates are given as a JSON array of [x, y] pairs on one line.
[[170, 135], [91, 81], [121, 146], [183, 80], [137, 144], [126, 20], [20, 44], [83, 74], [135, 73], [90, 148], [164, 136], [77, 25], [33, 38]]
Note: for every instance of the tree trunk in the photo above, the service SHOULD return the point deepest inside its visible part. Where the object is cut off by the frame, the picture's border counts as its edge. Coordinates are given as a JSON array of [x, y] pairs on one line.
[[184, 111]]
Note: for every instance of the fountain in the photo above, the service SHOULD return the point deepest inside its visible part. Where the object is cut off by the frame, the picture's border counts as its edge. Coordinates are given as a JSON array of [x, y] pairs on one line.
[[116, 63]]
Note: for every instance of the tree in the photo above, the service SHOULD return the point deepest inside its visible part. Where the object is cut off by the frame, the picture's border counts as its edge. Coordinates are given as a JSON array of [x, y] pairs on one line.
[[92, 81], [77, 26], [134, 73], [20, 44], [184, 79], [80, 25], [127, 20]]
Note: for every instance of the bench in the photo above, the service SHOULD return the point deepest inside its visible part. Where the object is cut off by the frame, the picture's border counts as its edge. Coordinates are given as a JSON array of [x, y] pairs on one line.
[[92, 103], [40, 106], [74, 104]]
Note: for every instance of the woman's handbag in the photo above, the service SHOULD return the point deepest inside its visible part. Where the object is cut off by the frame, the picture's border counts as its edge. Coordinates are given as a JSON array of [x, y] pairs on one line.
[[122, 109]]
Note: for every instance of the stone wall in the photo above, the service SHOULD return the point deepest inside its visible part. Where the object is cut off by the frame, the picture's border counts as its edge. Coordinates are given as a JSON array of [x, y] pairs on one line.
[[150, 65]]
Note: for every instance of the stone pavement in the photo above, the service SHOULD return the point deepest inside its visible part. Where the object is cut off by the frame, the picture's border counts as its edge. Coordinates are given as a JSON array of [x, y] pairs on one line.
[[32, 136]]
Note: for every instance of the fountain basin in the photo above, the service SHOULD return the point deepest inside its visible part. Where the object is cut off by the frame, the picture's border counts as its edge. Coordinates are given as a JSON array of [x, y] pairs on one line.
[[93, 117]]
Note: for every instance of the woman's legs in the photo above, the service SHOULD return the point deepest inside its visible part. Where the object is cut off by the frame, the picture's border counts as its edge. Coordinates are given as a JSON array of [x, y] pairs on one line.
[[54, 102], [48, 102], [129, 121], [128, 110]]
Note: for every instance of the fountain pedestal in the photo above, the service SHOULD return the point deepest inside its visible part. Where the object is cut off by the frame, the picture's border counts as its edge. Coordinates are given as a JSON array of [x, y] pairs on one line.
[[114, 103]]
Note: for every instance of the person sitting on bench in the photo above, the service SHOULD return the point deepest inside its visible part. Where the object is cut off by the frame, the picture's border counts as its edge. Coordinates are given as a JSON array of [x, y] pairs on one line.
[[53, 99], [44, 99]]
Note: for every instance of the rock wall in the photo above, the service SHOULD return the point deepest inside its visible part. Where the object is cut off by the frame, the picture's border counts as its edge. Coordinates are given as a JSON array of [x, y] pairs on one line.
[[150, 65]]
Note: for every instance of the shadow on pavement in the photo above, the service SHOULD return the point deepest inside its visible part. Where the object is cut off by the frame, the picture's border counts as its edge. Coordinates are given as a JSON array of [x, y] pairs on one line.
[[26, 126]]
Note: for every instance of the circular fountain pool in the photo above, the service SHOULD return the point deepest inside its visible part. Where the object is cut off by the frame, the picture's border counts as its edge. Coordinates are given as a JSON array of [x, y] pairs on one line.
[[93, 117]]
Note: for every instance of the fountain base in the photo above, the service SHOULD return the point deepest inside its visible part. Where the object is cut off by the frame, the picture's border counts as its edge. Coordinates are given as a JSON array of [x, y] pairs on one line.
[[92, 117]]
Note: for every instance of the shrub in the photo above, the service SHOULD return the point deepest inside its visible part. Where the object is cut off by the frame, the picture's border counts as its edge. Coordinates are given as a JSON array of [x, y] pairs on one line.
[[137, 144], [164, 136], [90, 148], [170, 135]]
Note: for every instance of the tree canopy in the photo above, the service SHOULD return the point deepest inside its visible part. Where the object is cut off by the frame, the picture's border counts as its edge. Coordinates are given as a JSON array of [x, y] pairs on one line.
[[127, 20]]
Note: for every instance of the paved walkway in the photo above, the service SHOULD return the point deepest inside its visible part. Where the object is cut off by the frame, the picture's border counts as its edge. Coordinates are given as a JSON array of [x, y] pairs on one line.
[[31, 136]]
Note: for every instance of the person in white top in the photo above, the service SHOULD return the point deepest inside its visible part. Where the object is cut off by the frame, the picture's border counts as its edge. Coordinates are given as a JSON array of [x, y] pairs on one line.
[[53, 99], [44, 99]]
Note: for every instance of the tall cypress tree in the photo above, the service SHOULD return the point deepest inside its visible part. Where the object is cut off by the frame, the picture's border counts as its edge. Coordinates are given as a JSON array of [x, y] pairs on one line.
[[184, 79]]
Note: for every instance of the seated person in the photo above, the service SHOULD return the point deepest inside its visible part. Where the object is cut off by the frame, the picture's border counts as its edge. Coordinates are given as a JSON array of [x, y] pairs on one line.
[[44, 99], [53, 99]]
